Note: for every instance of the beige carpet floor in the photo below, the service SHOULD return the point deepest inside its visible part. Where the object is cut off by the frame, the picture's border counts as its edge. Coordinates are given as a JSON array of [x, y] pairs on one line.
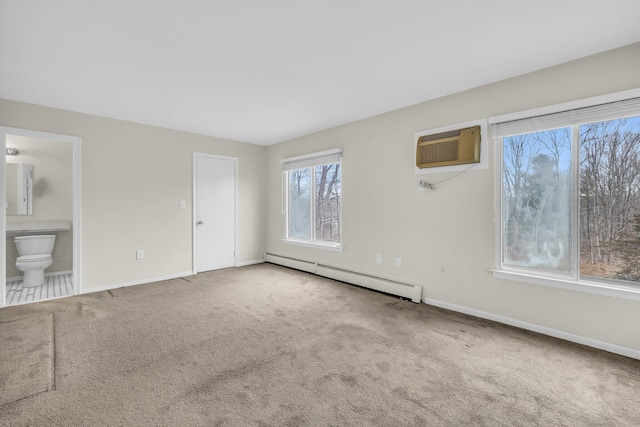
[[268, 346]]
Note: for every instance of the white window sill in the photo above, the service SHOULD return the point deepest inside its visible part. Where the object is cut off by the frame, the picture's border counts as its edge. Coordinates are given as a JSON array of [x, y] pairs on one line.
[[325, 246], [591, 287]]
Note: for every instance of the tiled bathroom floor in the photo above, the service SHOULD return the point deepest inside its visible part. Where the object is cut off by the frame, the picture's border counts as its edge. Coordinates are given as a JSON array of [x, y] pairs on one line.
[[56, 287]]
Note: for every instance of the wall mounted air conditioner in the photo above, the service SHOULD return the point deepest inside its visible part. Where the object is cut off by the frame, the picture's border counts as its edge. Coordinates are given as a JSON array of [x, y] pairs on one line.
[[455, 147]]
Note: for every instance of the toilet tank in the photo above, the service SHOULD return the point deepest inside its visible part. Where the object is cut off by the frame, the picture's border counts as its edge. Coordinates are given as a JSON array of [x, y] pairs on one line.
[[35, 245]]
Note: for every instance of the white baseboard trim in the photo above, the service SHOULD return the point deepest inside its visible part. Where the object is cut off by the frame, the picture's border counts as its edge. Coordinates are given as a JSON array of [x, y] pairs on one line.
[[58, 273], [54, 273], [590, 342], [245, 263], [134, 283]]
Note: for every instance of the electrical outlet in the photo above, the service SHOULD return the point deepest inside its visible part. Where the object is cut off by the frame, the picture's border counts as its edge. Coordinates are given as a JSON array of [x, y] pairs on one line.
[[378, 258], [398, 262], [139, 254]]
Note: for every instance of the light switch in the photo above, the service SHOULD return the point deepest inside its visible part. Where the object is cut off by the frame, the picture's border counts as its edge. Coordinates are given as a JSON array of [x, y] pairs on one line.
[[183, 204]]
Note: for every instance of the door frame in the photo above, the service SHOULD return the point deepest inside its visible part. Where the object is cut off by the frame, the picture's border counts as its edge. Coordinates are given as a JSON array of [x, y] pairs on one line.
[[194, 207], [77, 202]]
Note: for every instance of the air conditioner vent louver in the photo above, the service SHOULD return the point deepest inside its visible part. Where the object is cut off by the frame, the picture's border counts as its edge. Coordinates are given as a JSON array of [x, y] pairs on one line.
[[449, 148], [436, 153]]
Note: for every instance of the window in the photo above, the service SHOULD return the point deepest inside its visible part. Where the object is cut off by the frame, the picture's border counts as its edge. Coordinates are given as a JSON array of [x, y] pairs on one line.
[[569, 195], [313, 187]]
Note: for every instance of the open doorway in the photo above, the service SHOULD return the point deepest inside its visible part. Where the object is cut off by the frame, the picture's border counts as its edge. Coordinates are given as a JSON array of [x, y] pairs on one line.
[[41, 216]]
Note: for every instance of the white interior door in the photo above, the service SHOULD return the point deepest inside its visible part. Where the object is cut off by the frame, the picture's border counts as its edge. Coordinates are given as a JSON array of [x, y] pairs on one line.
[[214, 212]]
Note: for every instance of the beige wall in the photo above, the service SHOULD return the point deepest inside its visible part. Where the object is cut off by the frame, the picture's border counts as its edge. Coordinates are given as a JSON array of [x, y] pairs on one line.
[[133, 179], [446, 237], [52, 195]]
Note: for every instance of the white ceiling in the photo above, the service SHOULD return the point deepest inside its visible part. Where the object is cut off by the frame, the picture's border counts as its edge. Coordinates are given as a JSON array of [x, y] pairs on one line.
[[267, 71]]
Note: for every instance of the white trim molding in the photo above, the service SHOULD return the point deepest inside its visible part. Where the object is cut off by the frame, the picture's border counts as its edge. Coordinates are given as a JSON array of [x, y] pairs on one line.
[[252, 262], [136, 282], [567, 336], [608, 289], [307, 160], [3, 218], [315, 244], [54, 273], [566, 106]]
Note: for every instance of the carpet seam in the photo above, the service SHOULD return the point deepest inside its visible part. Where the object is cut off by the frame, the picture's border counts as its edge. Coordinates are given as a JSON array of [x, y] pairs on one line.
[[23, 318], [23, 398], [52, 380]]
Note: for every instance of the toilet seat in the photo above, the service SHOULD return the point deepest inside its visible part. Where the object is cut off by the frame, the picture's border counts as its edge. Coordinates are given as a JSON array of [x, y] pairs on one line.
[[33, 258]]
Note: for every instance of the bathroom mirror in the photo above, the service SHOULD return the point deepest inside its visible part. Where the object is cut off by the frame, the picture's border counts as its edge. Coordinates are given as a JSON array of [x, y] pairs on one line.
[[19, 182]]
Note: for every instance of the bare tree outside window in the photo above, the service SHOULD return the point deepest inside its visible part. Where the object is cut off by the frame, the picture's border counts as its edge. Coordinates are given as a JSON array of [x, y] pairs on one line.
[[314, 203], [328, 199], [610, 199]]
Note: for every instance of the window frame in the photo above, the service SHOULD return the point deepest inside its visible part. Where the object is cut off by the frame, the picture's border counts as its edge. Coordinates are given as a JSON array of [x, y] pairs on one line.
[[572, 281], [311, 161]]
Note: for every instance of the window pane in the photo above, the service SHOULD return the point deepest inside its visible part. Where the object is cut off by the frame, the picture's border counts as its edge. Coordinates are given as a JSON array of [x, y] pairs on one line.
[[537, 200], [300, 204], [610, 200], [328, 199]]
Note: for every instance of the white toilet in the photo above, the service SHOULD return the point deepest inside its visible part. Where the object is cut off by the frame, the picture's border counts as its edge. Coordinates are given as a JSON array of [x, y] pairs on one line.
[[34, 256]]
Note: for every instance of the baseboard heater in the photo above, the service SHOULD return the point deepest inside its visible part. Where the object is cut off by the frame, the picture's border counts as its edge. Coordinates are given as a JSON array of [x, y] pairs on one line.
[[405, 290]]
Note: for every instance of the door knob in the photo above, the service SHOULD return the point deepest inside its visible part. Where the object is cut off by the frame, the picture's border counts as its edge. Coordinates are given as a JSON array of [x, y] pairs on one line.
[[200, 222]]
